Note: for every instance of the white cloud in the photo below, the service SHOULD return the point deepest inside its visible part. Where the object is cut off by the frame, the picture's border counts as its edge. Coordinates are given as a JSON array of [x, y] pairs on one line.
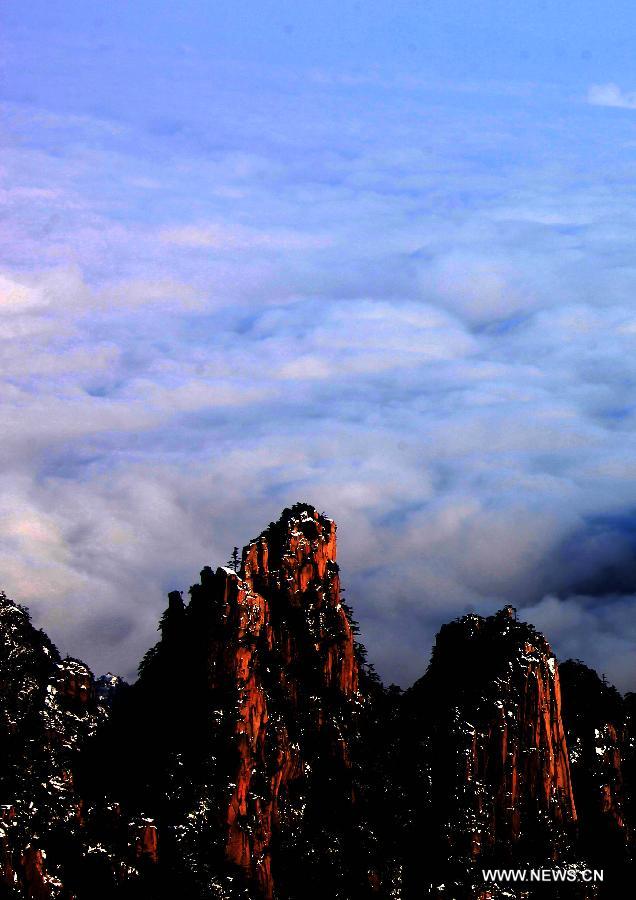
[[477, 288], [363, 337], [26, 293], [611, 94]]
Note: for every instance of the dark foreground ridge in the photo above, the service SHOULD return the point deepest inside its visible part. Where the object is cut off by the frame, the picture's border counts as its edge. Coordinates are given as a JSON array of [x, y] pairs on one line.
[[259, 757]]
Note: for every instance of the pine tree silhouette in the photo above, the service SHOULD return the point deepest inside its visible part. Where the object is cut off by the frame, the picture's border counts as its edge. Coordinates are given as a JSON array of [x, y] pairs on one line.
[[234, 562]]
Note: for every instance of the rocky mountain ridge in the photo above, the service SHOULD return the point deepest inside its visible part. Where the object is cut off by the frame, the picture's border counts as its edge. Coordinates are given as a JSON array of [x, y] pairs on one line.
[[258, 755]]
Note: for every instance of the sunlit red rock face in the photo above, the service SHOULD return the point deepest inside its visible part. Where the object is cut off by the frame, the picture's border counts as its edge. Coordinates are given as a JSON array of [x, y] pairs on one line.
[[496, 760], [283, 645]]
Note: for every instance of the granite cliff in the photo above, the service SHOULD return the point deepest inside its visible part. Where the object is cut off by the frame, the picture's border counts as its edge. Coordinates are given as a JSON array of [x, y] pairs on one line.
[[496, 788]]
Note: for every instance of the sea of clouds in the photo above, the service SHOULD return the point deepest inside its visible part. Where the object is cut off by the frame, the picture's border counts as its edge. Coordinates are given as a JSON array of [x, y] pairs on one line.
[[410, 304]]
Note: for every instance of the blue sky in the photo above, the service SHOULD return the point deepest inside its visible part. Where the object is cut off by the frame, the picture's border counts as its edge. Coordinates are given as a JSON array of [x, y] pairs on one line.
[[377, 256]]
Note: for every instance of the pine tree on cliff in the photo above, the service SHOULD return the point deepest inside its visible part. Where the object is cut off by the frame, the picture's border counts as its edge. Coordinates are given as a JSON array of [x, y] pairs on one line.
[[234, 562]]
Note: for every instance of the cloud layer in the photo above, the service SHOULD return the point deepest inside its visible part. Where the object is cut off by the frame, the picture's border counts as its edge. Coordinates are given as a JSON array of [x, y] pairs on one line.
[[411, 305]]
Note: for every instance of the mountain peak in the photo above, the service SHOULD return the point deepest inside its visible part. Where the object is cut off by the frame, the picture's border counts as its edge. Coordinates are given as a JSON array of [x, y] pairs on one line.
[[490, 709]]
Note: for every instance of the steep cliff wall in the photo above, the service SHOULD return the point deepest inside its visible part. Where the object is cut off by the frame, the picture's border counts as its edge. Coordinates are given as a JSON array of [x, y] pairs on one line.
[[48, 712], [252, 708], [601, 742], [286, 651], [494, 771]]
